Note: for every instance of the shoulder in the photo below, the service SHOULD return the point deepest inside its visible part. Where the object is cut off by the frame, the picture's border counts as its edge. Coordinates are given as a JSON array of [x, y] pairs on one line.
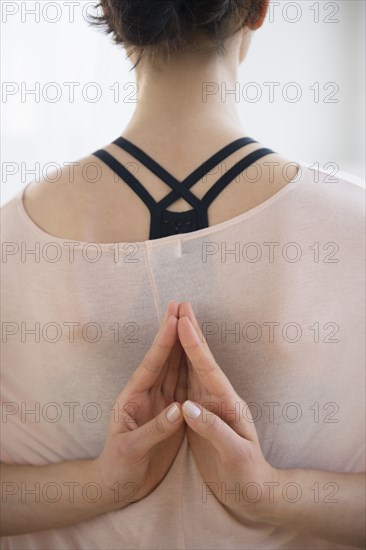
[[327, 209], [333, 194], [333, 182], [64, 204], [66, 187]]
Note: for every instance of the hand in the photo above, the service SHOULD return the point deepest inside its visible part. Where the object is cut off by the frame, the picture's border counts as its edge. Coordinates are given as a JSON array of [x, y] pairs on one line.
[[221, 430], [146, 430]]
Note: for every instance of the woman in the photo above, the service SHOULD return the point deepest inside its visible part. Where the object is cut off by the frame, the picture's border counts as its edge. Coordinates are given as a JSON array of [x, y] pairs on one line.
[[126, 424]]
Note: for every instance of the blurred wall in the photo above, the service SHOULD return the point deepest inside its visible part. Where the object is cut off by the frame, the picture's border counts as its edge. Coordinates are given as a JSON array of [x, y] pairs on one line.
[[300, 91]]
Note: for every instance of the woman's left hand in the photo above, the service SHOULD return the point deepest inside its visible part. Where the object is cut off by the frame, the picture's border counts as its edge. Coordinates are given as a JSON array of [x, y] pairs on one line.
[[221, 430]]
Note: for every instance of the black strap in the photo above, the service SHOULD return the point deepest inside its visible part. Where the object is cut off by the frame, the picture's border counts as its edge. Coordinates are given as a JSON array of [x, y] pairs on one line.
[[231, 174], [129, 178], [191, 179], [181, 189]]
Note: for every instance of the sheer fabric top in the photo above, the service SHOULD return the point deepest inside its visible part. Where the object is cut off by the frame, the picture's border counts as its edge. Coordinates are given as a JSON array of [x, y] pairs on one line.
[[279, 293]]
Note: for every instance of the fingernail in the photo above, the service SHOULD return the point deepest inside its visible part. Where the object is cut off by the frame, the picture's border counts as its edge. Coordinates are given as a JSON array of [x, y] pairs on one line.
[[191, 410], [173, 413]]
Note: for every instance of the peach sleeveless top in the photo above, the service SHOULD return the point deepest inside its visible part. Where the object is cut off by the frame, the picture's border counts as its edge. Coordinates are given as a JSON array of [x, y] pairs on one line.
[[279, 293]]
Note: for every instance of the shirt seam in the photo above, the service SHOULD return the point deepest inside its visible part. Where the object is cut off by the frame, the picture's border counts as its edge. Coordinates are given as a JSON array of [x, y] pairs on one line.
[[153, 284]]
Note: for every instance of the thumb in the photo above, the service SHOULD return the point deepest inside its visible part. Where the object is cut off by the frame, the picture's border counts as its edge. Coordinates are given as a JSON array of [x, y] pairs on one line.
[[157, 429], [210, 426]]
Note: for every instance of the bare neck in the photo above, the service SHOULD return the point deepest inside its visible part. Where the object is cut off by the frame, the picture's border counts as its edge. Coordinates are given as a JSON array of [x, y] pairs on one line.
[[188, 99]]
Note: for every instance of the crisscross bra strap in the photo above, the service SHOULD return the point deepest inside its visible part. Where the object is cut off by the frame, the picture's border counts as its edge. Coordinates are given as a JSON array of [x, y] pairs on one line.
[[189, 181], [232, 173], [126, 176], [164, 221]]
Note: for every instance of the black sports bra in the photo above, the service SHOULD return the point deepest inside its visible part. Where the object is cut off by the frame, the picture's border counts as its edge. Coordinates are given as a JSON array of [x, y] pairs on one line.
[[165, 222]]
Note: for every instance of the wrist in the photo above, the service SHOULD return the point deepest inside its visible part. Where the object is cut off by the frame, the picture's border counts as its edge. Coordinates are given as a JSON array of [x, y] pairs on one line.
[[267, 506], [259, 499], [280, 504], [112, 495]]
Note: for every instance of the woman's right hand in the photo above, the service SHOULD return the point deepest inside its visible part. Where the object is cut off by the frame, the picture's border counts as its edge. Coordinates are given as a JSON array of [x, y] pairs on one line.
[[146, 427]]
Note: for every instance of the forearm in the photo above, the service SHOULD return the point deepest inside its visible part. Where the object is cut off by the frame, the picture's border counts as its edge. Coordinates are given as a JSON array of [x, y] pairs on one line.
[[321, 504], [36, 498]]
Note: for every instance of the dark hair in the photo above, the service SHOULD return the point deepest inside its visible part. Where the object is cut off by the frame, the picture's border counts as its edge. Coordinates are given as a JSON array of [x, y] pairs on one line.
[[162, 28]]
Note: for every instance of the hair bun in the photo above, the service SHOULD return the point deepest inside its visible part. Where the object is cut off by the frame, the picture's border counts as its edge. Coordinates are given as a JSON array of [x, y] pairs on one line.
[[167, 26]]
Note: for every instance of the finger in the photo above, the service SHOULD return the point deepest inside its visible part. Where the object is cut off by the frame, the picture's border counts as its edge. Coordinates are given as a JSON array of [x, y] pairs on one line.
[[126, 422], [185, 310], [212, 428], [158, 429], [149, 370], [171, 372], [180, 394], [172, 309], [202, 361], [207, 374]]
